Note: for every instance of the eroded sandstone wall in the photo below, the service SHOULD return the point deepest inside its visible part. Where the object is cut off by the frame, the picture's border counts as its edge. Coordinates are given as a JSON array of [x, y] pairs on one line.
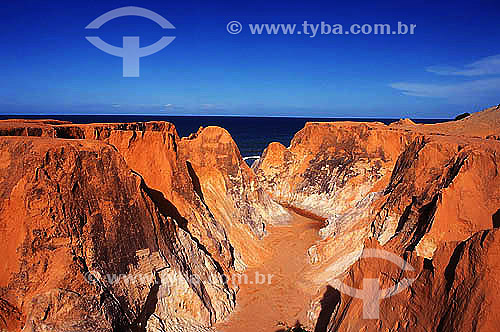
[[74, 217], [142, 206], [419, 191]]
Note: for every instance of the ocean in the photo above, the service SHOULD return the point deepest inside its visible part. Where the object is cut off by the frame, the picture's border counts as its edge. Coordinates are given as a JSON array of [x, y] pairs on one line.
[[252, 134]]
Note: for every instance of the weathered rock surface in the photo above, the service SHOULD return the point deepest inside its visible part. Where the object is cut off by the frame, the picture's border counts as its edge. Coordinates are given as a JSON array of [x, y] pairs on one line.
[[455, 291], [415, 189], [139, 205], [330, 166], [229, 189], [75, 218]]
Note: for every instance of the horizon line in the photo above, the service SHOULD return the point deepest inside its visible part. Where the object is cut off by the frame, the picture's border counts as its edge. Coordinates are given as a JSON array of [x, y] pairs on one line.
[[228, 116]]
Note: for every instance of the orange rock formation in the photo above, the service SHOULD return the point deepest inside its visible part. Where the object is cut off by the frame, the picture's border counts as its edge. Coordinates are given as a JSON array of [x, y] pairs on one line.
[[430, 193], [128, 227]]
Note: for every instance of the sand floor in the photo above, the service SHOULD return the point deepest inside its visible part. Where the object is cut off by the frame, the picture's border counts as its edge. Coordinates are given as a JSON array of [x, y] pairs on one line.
[[283, 297]]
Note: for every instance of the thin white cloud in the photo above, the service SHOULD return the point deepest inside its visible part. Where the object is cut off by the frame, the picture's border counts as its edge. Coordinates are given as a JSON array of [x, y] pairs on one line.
[[210, 106], [171, 107], [477, 88], [485, 66], [469, 90]]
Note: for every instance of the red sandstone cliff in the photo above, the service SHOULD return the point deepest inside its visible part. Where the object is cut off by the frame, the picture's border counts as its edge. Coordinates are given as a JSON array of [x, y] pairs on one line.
[[124, 200], [416, 189], [73, 210]]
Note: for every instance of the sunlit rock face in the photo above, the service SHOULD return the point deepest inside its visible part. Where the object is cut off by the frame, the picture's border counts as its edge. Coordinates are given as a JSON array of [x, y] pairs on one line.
[[329, 166], [455, 291]]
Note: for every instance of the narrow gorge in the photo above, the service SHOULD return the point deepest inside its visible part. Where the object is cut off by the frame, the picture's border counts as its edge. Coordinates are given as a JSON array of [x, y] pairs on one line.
[[129, 227]]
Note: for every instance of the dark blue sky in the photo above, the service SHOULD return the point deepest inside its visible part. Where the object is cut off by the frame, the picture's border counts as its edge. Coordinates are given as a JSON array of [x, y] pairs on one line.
[[450, 65]]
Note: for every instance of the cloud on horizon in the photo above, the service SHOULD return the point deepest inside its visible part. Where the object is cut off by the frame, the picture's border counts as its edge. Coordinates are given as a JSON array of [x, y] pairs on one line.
[[468, 91]]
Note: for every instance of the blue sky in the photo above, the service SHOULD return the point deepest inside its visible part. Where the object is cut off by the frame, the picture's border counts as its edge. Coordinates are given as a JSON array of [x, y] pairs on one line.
[[449, 66]]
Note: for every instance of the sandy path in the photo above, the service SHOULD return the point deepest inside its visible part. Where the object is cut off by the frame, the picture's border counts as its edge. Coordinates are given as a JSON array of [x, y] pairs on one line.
[[286, 298]]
